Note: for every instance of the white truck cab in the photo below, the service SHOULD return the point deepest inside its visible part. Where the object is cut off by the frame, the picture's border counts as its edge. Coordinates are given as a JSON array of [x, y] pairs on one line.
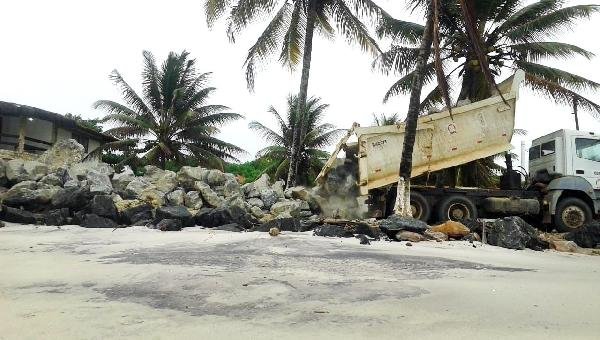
[[572, 199], [568, 152]]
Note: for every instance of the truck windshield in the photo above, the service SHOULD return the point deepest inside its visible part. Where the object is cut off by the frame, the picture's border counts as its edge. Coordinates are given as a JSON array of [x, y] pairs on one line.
[[534, 152], [588, 148]]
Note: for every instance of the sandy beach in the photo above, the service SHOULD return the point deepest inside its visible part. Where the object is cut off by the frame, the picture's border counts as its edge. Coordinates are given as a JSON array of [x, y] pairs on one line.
[[76, 283]]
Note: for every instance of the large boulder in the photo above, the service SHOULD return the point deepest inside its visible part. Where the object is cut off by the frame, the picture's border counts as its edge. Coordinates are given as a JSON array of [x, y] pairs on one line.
[[134, 211], [215, 178], [79, 171], [52, 179], [18, 170], [279, 187], [99, 182], [232, 188], [256, 202], [395, 223], [169, 224], [103, 205], [95, 221], [57, 217], [63, 154], [15, 215], [514, 233], [122, 179], [164, 180], [29, 194], [136, 186], [176, 197], [587, 237], [208, 195], [152, 196], [193, 200], [409, 236], [269, 197], [187, 176], [330, 230], [436, 235], [211, 218], [73, 198], [452, 229], [291, 208], [179, 212]]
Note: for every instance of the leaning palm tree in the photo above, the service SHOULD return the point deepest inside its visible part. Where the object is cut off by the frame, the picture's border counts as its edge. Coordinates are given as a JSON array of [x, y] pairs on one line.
[[317, 135], [290, 34], [171, 121]]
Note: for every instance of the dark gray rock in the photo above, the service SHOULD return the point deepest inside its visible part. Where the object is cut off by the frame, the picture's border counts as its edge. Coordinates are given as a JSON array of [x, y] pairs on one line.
[[330, 230], [136, 214], [73, 198], [233, 227], [10, 214], [363, 239], [95, 221], [395, 223], [57, 217], [103, 205], [586, 237], [514, 233], [283, 224], [169, 224], [211, 218], [177, 212]]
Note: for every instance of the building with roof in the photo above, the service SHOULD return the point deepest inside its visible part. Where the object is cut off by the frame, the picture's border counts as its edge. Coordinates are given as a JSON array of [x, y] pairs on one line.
[[29, 129]]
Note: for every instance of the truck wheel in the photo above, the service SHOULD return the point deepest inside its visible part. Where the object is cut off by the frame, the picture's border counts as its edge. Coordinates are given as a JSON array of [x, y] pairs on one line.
[[571, 213], [420, 207], [418, 204], [456, 208]]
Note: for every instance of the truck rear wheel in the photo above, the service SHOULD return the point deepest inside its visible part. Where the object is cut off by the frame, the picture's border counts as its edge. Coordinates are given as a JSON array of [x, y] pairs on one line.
[[571, 213], [421, 210], [419, 206], [456, 208]]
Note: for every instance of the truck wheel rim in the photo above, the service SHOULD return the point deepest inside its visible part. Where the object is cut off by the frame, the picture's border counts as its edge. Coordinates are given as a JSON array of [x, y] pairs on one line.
[[416, 210], [573, 217], [458, 212]]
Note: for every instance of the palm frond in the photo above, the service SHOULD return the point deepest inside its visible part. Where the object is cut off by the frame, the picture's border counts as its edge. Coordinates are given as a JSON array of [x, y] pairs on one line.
[[534, 51], [267, 42]]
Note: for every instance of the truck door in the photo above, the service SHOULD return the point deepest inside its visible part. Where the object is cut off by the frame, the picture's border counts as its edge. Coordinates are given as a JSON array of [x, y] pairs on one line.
[[586, 160]]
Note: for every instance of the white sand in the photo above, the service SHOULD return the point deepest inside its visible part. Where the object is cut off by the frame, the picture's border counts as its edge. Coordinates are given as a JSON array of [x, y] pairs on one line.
[[75, 283]]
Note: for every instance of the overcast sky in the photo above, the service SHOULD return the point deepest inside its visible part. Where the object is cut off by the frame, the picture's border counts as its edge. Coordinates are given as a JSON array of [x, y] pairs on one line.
[[57, 56]]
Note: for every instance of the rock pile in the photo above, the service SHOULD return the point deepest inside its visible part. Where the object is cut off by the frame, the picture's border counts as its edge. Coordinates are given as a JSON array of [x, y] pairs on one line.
[[509, 232], [55, 190]]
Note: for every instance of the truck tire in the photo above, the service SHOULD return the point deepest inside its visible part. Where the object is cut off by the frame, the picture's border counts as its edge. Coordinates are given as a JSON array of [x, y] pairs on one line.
[[571, 213], [419, 206], [456, 208], [421, 209]]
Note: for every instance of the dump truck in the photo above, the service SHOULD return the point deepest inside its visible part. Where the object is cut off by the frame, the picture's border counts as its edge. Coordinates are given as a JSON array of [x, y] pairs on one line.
[[561, 186]]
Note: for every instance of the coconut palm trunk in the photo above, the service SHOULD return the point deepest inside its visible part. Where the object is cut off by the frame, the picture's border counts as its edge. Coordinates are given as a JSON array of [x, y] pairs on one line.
[[303, 93], [402, 205]]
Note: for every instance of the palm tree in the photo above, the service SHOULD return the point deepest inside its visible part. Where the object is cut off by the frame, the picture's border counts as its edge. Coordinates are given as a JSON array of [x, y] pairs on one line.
[[383, 120], [512, 36], [290, 33], [317, 135], [171, 121]]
